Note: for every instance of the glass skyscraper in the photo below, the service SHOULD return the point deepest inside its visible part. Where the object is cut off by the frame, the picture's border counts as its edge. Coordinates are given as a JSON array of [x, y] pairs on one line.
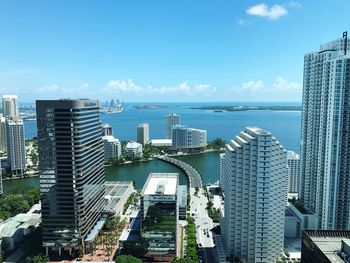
[[71, 168]]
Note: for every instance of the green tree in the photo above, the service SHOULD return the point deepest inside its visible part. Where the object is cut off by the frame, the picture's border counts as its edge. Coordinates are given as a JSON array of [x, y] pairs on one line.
[[40, 258], [127, 259]]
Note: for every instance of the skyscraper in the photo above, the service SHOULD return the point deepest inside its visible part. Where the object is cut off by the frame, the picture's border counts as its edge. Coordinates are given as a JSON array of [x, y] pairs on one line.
[[3, 141], [170, 121], [16, 152], [293, 160], [254, 170], [9, 106], [72, 175], [325, 138], [143, 133]]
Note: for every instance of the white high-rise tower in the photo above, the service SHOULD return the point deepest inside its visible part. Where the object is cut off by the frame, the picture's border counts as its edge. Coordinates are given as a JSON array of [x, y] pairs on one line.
[[325, 151], [254, 170], [9, 106], [170, 121]]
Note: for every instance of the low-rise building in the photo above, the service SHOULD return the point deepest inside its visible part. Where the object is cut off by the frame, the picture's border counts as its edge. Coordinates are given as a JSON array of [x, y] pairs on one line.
[[133, 150], [161, 142], [159, 214], [112, 148], [117, 193]]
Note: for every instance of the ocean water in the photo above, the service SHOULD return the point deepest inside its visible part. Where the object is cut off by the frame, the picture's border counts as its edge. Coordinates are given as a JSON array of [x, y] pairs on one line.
[[284, 125]]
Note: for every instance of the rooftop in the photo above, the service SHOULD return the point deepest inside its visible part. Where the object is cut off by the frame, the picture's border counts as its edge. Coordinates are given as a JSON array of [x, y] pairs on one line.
[[133, 145], [161, 184], [109, 138], [329, 242], [20, 221]]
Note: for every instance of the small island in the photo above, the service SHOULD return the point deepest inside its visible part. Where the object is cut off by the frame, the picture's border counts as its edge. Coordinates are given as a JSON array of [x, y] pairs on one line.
[[247, 108]]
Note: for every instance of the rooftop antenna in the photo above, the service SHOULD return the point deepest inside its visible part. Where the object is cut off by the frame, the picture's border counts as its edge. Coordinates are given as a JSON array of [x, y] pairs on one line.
[[345, 37]]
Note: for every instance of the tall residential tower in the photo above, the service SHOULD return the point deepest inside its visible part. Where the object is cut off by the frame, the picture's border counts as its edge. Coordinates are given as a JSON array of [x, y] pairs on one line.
[[170, 121], [9, 106], [254, 170], [143, 133], [325, 139], [72, 174]]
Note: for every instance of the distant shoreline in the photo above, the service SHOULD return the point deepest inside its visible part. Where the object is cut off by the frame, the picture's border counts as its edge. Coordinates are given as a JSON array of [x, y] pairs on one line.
[[248, 108]]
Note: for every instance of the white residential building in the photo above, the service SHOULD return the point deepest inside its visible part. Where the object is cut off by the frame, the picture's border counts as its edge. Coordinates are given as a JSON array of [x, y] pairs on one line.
[[254, 170], [293, 160], [16, 152], [9, 106], [143, 133], [112, 147], [107, 130], [188, 138], [170, 121], [325, 151], [133, 150]]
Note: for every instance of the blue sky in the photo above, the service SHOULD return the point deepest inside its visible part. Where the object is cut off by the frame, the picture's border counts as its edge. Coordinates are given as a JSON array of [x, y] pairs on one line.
[[163, 50]]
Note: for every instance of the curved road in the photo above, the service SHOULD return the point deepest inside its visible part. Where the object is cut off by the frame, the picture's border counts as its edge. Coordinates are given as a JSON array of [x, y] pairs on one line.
[[193, 176]]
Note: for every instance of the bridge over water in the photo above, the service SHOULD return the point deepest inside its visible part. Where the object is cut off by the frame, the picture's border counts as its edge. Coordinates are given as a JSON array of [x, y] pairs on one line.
[[192, 174]]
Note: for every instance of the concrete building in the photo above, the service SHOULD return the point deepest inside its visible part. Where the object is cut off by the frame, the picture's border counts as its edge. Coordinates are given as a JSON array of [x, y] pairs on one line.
[[107, 130], [133, 150], [293, 160], [182, 195], [117, 193], [170, 121], [112, 148], [72, 175], [143, 133], [254, 170], [9, 106], [16, 152], [325, 151], [159, 214], [325, 246], [185, 138], [161, 142], [3, 141]]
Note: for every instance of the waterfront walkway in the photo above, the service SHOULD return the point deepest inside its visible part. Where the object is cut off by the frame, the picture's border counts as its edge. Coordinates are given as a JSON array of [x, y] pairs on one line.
[[193, 176]]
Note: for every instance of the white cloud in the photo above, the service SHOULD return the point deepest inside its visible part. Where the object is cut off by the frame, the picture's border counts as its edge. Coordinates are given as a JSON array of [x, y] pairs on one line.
[[129, 87], [249, 86], [54, 89], [257, 90], [274, 12], [282, 84], [295, 4]]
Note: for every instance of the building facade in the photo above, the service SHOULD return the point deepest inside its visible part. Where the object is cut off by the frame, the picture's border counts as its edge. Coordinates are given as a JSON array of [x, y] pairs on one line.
[[107, 130], [254, 170], [143, 133], [1, 187], [72, 175], [170, 121], [133, 150], [159, 214], [293, 160], [188, 138], [9, 106], [112, 148], [16, 152], [325, 151], [3, 140]]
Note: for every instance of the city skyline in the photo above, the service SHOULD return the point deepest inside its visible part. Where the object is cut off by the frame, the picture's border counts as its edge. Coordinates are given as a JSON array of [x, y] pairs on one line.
[[159, 51]]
